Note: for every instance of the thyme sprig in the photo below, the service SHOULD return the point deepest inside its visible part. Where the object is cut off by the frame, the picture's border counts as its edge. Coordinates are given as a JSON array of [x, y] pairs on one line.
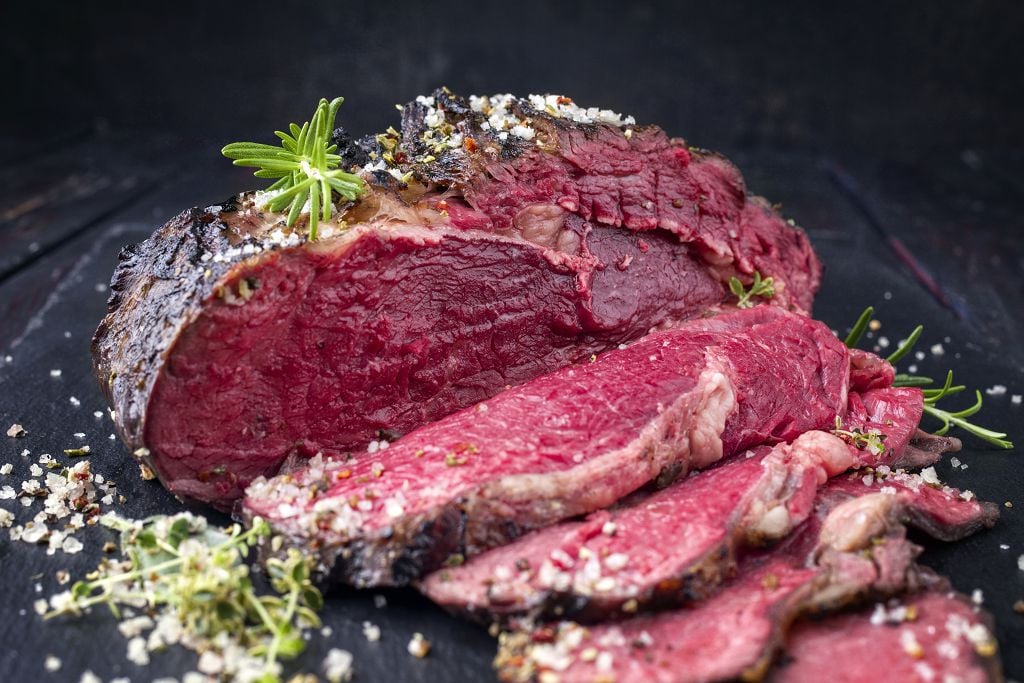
[[305, 165], [180, 566], [763, 288], [871, 441]]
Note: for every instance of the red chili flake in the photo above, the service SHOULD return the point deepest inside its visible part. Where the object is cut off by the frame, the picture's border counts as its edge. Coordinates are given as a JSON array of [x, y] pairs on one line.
[[469, 144], [544, 634], [442, 205]]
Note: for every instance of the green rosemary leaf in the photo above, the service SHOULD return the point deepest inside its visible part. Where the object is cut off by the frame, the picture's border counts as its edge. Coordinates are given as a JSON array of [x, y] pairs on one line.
[[858, 328], [905, 347], [903, 380]]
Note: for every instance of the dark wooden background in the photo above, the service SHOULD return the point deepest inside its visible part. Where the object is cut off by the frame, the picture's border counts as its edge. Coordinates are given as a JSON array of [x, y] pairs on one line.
[[864, 121]]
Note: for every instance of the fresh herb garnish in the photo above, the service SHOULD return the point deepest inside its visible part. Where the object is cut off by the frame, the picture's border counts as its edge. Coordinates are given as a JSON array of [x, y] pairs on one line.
[[180, 569], [760, 287], [931, 396], [871, 441], [305, 166]]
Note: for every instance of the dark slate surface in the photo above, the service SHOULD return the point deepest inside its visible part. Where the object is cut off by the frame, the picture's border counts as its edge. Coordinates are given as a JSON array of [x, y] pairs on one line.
[[51, 303]]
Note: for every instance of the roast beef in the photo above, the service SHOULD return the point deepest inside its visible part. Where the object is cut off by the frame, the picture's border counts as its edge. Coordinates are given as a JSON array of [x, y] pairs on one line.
[[561, 445], [852, 547], [934, 635], [232, 343]]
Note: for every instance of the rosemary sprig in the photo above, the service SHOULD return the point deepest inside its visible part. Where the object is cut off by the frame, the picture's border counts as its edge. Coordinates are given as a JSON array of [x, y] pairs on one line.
[[179, 567], [305, 166], [763, 288], [933, 396]]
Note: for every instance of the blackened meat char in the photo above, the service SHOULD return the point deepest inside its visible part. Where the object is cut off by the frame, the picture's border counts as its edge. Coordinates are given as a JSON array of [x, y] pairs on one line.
[[231, 343], [933, 635], [561, 445], [853, 547]]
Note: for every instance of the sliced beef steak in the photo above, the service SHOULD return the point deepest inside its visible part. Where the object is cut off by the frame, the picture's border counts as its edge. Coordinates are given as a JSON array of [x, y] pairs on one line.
[[232, 343], [852, 547], [673, 546], [934, 635], [680, 543], [561, 445]]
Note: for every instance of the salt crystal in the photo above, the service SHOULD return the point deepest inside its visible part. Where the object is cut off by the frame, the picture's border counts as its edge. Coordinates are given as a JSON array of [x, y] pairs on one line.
[[997, 390], [371, 631], [337, 665], [137, 652], [55, 373]]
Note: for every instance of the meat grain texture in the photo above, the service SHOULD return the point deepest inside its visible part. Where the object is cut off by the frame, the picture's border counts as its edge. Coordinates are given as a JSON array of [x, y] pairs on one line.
[[232, 343], [565, 444]]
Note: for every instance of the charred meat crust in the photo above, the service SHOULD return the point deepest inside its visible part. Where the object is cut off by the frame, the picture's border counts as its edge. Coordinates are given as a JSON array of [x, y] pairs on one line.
[[157, 289]]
